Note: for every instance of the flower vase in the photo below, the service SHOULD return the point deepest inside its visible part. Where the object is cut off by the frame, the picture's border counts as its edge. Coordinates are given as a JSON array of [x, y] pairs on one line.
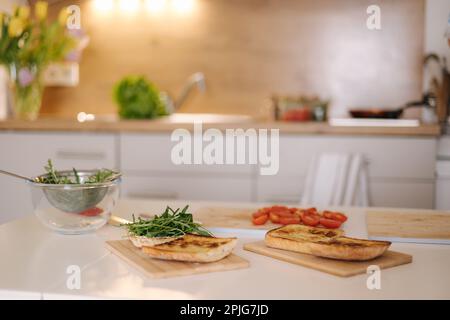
[[26, 91]]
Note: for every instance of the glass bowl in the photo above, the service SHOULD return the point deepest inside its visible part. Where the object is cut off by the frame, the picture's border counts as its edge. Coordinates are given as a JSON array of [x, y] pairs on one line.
[[75, 208]]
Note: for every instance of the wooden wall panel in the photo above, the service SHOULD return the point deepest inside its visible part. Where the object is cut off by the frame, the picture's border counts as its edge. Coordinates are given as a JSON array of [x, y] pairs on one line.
[[250, 49]]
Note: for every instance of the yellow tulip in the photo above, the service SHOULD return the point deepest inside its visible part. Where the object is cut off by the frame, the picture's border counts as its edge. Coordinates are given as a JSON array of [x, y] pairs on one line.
[[40, 10], [24, 12], [16, 26], [15, 9], [1, 25], [63, 16]]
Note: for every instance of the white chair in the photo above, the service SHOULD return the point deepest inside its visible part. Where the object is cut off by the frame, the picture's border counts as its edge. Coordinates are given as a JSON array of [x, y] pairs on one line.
[[337, 179]]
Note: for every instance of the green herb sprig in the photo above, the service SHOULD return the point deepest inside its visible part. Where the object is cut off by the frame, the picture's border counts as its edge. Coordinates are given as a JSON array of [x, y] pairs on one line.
[[54, 177], [171, 223]]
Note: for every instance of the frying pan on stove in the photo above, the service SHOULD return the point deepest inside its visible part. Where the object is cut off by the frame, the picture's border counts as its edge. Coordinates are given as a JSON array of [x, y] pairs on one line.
[[427, 101]]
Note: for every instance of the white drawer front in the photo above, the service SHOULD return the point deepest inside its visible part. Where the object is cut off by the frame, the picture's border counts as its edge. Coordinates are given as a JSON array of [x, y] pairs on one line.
[[279, 189], [443, 194], [152, 153], [388, 157], [30, 151], [402, 194], [187, 188], [444, 147]]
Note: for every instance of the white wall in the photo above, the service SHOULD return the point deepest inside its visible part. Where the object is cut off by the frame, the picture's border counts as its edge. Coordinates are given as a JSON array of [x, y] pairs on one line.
[[7, 5], [436, 25], [436, 15]]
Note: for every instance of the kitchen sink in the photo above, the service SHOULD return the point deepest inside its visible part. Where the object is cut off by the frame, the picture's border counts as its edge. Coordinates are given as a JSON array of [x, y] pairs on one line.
[[177, 118], [206, 118]]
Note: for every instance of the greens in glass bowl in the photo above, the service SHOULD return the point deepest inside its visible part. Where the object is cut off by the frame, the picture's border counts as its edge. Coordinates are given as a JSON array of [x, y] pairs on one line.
[[75, 201]]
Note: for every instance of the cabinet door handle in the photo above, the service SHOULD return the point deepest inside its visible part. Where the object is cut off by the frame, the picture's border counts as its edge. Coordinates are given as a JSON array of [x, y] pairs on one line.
[[153, 195], [80, 155]]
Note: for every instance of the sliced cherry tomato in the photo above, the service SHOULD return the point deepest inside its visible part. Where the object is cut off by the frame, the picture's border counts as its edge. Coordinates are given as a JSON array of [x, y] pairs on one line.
[[274, 217], [330, 223], [260, 220], [293, 210], [335, 216], [310, 219], [283, 213], [260, 213], [311, 211], [92, 212], [290, 220]]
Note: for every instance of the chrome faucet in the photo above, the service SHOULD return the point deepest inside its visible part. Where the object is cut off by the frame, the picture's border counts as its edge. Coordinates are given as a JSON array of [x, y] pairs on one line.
[[195, 80]]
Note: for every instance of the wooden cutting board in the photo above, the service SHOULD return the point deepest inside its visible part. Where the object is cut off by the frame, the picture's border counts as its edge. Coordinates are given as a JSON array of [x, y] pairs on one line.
[[155, 268], [424, 224], [338, 268], [233, 218]]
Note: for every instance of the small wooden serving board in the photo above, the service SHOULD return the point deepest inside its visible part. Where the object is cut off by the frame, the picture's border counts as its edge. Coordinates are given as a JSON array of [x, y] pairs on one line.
[[335, 267], [155, 268]]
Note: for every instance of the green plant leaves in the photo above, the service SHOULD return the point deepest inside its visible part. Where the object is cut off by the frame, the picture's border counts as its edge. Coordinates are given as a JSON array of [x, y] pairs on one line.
[[137, 98]]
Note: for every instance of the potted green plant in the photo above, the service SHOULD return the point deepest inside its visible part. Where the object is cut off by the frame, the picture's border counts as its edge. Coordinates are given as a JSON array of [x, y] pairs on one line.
[[28, 44], [138, 98]]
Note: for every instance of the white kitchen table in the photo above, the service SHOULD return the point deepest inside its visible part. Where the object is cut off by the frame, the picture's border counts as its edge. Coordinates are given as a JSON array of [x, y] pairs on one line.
[[34, 262]]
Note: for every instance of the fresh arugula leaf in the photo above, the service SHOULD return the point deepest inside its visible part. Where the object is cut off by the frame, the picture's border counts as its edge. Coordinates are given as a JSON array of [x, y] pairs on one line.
[[171, 223]]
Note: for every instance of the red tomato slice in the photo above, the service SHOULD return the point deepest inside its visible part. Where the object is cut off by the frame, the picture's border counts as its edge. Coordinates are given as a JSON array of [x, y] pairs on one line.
[[260, 213], [290, 220], [260, 220], [278, 208], [311, 211], [284, 213], [330, 223], [310, 219], [335, 216], [92, 212], [274, 217]]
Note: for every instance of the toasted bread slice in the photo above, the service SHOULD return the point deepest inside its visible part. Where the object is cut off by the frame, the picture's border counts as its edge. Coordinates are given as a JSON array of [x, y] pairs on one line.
[[141, 241], [193, 248], [300, 232], [296, 238]]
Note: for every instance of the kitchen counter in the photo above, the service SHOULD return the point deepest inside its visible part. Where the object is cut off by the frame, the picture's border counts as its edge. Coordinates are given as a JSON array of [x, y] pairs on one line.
[[164, 125], [35, 260]]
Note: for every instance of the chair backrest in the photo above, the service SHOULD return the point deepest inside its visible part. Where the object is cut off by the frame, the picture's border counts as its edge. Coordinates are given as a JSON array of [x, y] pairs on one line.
[[336, 179]]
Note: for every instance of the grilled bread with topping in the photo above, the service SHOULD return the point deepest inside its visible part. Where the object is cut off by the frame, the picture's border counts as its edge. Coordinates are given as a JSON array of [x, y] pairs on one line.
[[324, 243], [193, 248], [142, 241]]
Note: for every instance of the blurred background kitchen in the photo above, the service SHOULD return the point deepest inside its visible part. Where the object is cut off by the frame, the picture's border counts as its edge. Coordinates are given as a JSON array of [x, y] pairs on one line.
[[370, 105]]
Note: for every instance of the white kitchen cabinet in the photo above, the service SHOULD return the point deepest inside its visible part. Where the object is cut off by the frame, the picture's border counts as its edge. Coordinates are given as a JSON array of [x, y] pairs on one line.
[[26, 153], [152, 153], [280, 188], [150, 173], [443, 174], [176, 187], [399, 157], [401, 169], [402, 193]]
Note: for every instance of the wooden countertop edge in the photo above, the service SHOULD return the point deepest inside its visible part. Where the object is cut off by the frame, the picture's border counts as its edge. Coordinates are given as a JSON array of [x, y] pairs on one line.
[[142, 126]]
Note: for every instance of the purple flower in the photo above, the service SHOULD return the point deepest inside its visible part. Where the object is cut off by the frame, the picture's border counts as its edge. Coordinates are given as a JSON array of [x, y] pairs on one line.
[[73, 56], [81, 37], [26, 77]]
